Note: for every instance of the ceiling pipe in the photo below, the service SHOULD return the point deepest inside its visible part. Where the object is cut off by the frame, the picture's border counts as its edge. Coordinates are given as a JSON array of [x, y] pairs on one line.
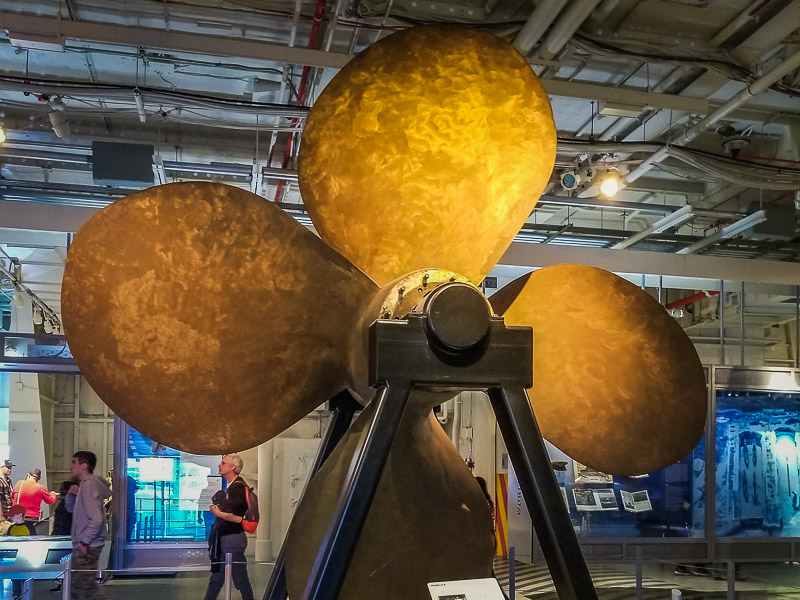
[[606, 8], [537, 23], [567, 25], [755, 88]]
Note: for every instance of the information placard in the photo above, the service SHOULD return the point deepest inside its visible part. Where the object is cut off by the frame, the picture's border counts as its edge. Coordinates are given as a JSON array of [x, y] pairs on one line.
[[466, 589]]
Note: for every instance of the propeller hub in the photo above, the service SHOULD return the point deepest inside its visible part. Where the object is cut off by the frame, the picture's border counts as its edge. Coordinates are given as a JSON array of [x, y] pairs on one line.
[[458, 316]]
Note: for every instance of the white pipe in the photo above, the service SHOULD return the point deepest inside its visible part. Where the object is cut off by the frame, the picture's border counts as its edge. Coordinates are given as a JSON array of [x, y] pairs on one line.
[[537, 23], [455, 434], [605, 9], [758, 86], [567, 25]]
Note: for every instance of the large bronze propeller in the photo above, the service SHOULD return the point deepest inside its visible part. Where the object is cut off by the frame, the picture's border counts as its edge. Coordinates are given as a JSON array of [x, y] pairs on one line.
[[210, 321]]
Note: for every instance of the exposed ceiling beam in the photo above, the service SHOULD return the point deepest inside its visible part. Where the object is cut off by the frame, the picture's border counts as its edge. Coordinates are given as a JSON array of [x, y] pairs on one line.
[[630, 96], [125, 35], [664, 263], [195, 43]]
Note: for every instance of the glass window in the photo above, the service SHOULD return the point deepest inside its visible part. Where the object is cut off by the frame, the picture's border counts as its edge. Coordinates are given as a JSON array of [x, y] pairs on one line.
[[757, 470], [169, 492]]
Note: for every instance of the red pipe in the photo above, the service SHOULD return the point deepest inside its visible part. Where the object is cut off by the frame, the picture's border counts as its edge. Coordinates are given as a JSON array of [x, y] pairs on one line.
[[692, 298], [319, 9]]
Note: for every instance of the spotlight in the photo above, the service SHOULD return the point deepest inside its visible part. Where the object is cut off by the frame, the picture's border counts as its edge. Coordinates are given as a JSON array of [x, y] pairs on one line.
[[609, 185], [37, 315], [48, 326]]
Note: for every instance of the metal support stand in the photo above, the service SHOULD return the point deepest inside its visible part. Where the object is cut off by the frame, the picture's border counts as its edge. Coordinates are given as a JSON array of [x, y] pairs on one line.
[[343, 406], [454, 345]]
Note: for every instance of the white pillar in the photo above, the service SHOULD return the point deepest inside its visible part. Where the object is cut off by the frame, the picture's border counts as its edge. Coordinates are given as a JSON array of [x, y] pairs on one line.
[[266, 456]]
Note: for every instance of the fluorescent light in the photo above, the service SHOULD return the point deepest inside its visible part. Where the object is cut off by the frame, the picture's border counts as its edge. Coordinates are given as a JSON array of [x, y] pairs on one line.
[[672, 221], [727, 232]]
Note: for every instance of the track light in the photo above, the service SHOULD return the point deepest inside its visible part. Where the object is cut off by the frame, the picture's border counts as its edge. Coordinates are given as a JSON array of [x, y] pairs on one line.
[[56, 327], [609, 185], [48, 326], [37, 315]]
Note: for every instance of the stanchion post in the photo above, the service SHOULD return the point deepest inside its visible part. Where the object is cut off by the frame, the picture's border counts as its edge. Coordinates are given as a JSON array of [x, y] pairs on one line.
[[512, 573], [639, 590], [66, 582], [731, 580], [228, 576]]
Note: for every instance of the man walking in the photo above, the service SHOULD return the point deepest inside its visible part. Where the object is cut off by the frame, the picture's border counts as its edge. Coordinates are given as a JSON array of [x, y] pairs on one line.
[[88, 526], [5, 488], [227, 535]]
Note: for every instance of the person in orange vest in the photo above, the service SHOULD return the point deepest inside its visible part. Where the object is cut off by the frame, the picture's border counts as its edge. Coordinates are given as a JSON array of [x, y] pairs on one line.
[[30, 494]]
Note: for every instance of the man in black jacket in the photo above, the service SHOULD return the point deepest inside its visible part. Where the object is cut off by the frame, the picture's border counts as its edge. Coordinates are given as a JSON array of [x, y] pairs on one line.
[[227, 535]]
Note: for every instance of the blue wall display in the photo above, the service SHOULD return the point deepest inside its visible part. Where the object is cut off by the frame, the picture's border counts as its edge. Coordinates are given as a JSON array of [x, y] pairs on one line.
[[757, 465]]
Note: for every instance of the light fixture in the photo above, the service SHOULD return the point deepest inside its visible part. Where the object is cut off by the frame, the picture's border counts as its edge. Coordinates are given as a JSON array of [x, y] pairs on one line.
[[137, 97], [2, 135], [37, 315], [48, 326], [569, 180], [726, 232], [56, 326], [58, 119], [609, 184], [671, 221], [17, 298]]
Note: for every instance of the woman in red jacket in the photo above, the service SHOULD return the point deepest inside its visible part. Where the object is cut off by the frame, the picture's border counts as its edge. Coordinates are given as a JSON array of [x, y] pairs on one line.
[[30, 494]]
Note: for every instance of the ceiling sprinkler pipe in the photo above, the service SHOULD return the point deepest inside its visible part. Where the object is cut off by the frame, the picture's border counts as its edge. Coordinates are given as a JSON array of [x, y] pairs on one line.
[[693, 298]]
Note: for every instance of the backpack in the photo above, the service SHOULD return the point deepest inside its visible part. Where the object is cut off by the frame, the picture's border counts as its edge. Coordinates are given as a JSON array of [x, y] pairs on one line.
[[251, 517]]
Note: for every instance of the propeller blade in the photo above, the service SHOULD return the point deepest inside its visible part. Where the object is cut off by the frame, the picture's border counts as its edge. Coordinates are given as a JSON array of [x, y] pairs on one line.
[[428, 520], [617, 384], [430, 148], [191, 300]]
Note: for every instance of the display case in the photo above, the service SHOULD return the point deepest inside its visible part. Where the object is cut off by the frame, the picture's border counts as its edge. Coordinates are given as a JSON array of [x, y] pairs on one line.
[[666, 503]]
